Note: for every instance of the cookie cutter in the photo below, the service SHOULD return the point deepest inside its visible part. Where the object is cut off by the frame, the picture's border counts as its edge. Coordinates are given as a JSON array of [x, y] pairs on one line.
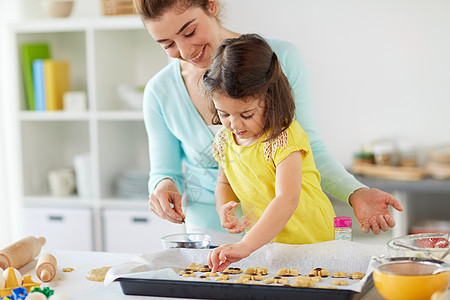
[[12, 283]]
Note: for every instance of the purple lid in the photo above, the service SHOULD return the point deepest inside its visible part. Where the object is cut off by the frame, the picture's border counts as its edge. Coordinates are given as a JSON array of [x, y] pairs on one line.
[[342, 222]]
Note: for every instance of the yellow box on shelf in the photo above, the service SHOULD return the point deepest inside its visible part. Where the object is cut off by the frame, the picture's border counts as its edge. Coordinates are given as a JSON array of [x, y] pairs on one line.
[[57, 82]]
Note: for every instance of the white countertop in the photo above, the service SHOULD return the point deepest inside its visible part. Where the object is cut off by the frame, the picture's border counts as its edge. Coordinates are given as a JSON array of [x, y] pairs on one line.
[[74, 284]]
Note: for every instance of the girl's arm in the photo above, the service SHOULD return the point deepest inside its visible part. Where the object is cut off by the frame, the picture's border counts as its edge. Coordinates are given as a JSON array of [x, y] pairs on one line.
[[275, 216], [226, 202], [279, 211]]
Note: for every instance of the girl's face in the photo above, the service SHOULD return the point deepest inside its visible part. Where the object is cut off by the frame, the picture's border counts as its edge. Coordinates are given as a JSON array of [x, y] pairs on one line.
[[244, 118], [192, 35]]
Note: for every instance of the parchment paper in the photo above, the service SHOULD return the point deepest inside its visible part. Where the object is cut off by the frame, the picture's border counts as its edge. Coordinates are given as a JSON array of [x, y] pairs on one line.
[[335, 256]]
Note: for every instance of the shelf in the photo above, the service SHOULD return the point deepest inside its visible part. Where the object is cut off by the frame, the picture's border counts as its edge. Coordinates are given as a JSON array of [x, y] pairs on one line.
[[122, 203], [74, 201], [53, 116], [79, 24], [426, 185], [389, 172], [107, 140], [50, 201], [120, 116]]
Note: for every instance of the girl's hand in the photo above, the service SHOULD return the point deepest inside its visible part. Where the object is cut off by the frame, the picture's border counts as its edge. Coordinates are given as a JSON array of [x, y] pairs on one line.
[[221, 257], [228, 219]]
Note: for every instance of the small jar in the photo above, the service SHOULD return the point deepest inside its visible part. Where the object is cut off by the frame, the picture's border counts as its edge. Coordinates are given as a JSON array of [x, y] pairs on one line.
[[364, 158], [343, 228]]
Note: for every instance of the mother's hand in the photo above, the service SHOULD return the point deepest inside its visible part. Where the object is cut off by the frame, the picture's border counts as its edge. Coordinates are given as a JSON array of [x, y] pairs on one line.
[[165, 202], [371, 208]]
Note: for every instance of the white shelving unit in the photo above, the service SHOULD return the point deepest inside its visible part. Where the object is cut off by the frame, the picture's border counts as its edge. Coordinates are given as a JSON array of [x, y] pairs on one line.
[[103, 53]]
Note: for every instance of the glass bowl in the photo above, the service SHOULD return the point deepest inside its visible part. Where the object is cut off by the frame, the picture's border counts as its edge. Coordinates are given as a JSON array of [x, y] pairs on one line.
[[186, 240], [422, 245]]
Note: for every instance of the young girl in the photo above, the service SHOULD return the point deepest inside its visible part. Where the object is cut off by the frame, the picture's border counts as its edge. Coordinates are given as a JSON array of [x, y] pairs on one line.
[[264, 156], [180, 133]]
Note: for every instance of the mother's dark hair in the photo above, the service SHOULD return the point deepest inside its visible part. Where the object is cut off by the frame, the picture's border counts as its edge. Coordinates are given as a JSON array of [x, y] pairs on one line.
[[154, 9], [246, 67]]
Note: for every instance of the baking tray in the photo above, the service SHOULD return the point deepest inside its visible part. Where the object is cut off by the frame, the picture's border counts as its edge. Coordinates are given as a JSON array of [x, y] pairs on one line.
[[210, 290]]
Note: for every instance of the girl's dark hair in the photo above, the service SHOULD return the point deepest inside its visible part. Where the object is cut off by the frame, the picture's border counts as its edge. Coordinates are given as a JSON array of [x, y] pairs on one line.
[[246, 67], [154, 9]]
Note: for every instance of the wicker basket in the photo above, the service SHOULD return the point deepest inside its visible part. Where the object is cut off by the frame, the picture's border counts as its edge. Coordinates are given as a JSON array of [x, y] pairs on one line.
[[118, 7]]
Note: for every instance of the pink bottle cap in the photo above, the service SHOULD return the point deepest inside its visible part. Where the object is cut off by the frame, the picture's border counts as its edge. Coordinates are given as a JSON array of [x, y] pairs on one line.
[[342, 222]]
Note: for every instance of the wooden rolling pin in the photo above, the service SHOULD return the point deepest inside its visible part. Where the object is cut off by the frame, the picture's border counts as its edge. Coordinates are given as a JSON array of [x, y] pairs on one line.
[[46, 267], [21, 252]]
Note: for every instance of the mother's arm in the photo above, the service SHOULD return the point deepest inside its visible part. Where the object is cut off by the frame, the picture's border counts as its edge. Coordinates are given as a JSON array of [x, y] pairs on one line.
[[166, 177]]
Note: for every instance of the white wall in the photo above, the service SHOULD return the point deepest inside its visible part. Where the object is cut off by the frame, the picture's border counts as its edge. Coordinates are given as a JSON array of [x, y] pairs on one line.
[[4, 234], [379, 68], [6, 14]]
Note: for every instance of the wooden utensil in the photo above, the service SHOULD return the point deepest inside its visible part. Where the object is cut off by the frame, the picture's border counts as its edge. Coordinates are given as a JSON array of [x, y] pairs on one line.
[[21, 252], [46, 267]]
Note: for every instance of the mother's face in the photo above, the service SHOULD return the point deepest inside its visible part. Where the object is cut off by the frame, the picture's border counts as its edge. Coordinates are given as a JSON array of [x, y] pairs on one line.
[[191, 35]]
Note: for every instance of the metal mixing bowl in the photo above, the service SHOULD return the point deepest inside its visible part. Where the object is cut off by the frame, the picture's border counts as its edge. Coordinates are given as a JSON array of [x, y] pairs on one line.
[[186, 240]]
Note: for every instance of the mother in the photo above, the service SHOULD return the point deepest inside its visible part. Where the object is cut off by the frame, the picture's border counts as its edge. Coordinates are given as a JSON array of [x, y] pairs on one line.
[[178, 120]]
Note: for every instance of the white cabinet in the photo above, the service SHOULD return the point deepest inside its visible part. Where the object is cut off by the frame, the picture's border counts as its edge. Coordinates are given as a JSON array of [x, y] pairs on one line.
[[104, 52], [64, 229], [135, 231]]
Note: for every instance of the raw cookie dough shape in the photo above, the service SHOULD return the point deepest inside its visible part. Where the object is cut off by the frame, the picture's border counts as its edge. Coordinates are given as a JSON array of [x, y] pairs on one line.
[[97, 274], [195, 267], [340, 282], [276, 279], [357, 275], [340, 275], [232, 271], [252, 277], [288, 272], [223, 277], [242, 280], [205, 268], [187, 273], [256, 271], [303, 283], [66, 270], [310, 277], [320, 272]]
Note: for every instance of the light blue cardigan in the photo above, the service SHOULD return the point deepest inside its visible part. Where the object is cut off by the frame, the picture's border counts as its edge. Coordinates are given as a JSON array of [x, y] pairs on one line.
[[177, 134]]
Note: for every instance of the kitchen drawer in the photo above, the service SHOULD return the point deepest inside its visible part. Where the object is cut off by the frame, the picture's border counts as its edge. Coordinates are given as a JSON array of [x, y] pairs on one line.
[[135, 231], [64, 228]]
